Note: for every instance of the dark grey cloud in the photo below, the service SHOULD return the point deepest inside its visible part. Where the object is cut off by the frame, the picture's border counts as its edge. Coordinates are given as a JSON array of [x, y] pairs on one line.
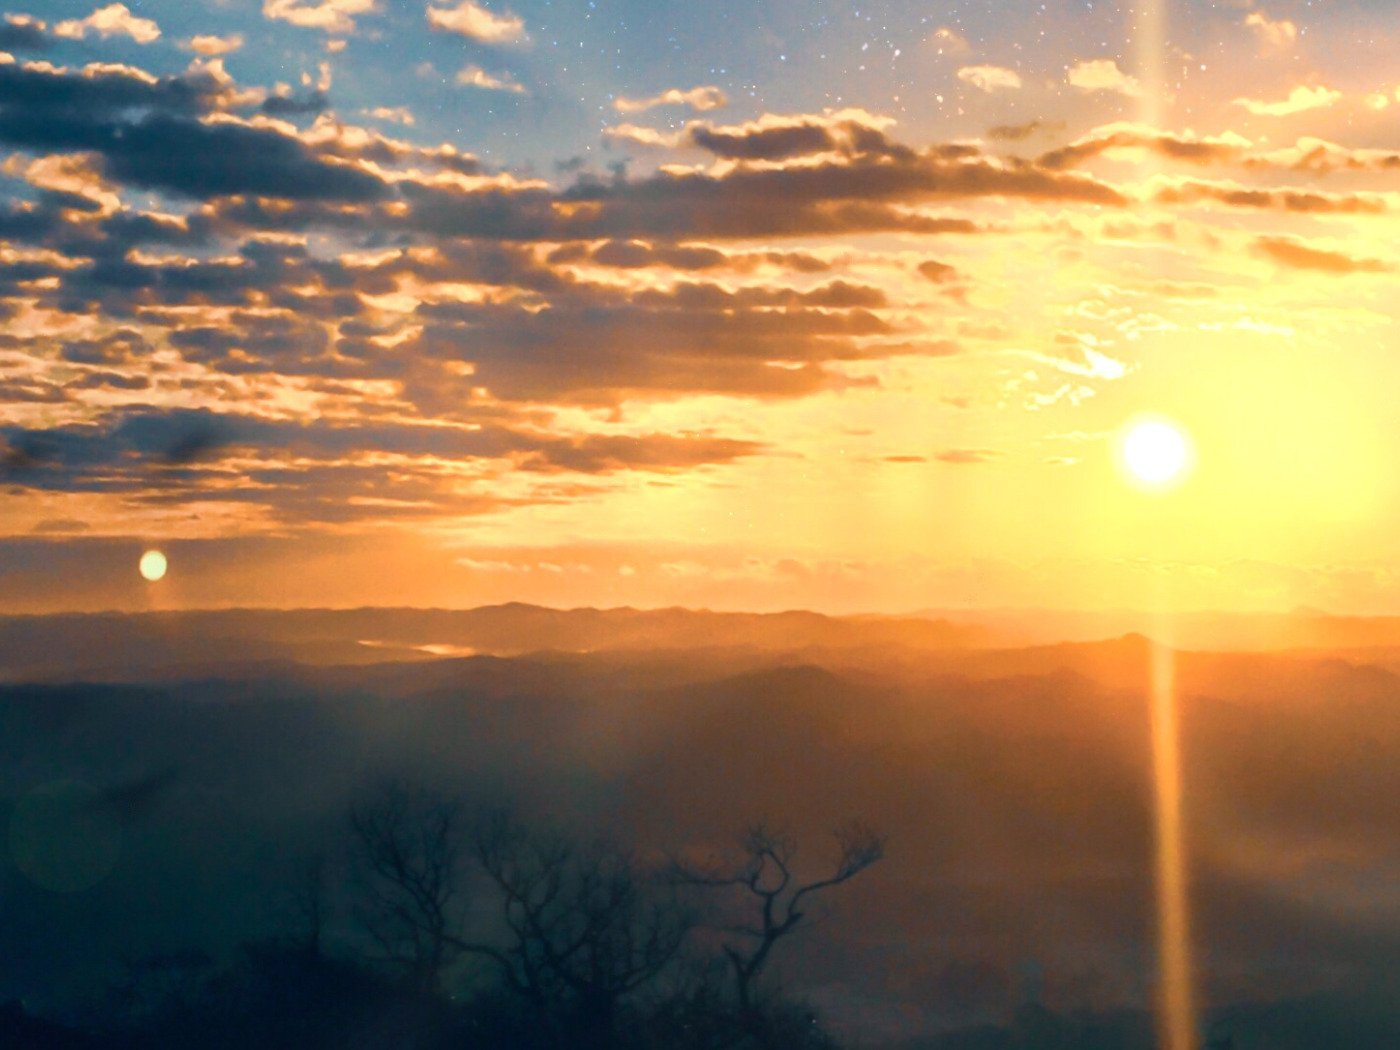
[[777, 140], [1173, 147], [146, 135], [18, 34], [310, 104], [1016, 132], [307, 470], [1298, 255], [767, 144], [696, 336], [1301, 202], [233, 275], [861, 193]]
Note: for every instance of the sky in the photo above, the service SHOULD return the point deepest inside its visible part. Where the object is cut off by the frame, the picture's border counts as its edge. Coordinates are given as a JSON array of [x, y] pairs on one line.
[[757, 305]]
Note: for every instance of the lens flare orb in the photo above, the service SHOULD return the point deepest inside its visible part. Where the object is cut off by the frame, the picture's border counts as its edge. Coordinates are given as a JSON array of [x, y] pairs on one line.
[[153, 565]]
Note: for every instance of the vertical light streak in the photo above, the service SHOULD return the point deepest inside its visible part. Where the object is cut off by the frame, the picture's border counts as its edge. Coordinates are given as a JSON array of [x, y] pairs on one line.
[[1151, 33], [1176, 1001], [1176, 1006]]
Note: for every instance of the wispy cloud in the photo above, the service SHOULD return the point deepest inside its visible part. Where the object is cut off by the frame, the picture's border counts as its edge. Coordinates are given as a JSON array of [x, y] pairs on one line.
[[1275, 33], [112, 20], [475, 76], [214, 46], [1102, 74], [702, 99], [1301, 99], [333, 16], [990, 78], [478, 23]]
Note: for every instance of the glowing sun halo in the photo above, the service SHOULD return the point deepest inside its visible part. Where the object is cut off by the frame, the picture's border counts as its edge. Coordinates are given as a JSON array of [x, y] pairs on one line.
[[153, 565], [1155, 452]]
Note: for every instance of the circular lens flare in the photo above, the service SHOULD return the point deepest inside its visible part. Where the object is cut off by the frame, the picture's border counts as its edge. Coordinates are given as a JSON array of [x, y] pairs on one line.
[[1155, 451], [153, 565]]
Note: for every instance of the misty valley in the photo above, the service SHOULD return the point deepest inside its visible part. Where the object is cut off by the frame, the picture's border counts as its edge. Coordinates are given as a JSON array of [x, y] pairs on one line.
[[311, 829]]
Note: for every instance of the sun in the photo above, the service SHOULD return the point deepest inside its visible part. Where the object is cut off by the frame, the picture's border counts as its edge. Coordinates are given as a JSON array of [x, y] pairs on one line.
[[153, 565], [1155, 451]]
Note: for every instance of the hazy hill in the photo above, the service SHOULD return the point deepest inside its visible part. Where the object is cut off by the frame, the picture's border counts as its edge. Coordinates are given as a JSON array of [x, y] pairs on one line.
[[124, 647], [1015, 786]]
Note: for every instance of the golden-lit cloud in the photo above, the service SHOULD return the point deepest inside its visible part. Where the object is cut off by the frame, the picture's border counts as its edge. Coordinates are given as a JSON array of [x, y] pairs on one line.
[[475, 76], [1294, 253], [643, 136], [967, 456], [397, 114], [1301, 99], [1275, 33], [1102, 74], [949, 41], [1321, 157], [213, 46], [990, 78], [703, 99], [112, 20], [476, 22], [1131, 137], [333, 16]]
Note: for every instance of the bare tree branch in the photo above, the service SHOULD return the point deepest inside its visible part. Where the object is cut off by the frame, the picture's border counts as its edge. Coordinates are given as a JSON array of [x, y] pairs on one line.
[[766, 876]]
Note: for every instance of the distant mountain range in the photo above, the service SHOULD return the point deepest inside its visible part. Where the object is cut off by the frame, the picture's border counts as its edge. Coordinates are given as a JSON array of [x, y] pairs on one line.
[[126, 647]]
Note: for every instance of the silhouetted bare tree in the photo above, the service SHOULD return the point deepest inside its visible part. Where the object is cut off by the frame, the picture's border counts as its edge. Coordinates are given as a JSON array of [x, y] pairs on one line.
[[579, 929], [586, 927], [306, 900], [409, 844], [776, 900]]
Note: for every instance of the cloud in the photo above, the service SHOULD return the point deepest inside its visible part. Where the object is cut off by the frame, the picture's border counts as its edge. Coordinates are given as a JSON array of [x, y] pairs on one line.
[[286, 104], [870, 183], [474, 21], [631, 255], [938, 272], [475, 76], [213, 46], [1320, 157], [643, 136], [1187, 148], [1299, 100], [967, 455], [175, 456], [1103, 74], [1294, 253], [397, 114], [949, 41], [114, 19], [990, 78], [1300, 202], [168, 147], [1015, 132], [1276, 34], [774, 137], [696, 337], [23, 33], [702, 99], [333, 16]]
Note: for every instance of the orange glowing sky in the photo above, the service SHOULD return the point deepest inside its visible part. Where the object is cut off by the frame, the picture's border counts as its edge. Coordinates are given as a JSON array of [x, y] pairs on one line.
[[829, 305]]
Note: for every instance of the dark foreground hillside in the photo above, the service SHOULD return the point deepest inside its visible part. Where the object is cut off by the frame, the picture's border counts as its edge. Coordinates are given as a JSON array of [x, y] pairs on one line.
[[185, 857]]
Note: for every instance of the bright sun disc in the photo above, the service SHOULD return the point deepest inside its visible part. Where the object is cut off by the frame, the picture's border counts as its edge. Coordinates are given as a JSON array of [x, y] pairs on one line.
[[1155, 452], [153, 565]]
